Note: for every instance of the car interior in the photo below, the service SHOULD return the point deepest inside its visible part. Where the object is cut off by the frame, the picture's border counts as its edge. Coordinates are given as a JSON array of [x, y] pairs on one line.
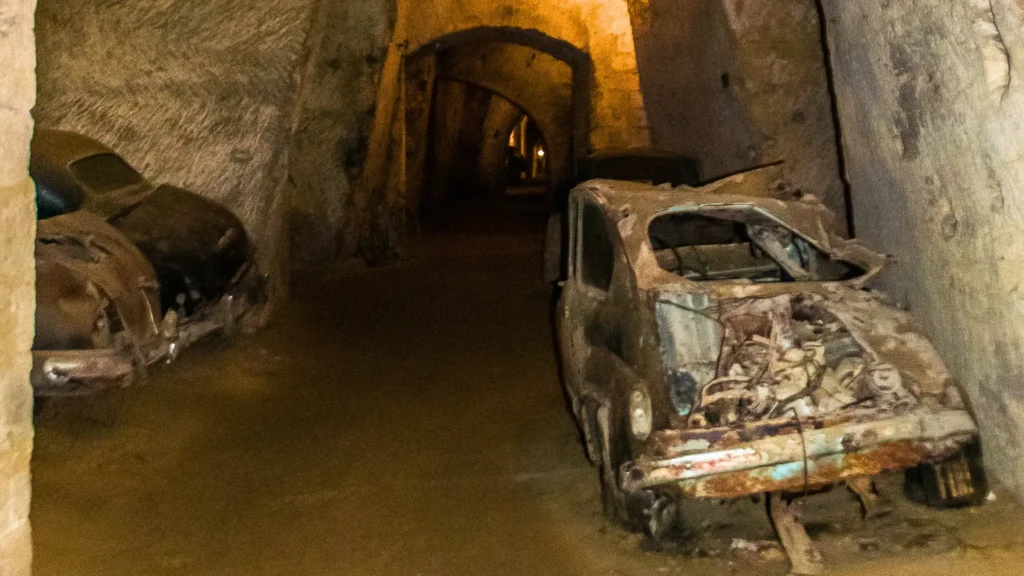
[[740, 244]]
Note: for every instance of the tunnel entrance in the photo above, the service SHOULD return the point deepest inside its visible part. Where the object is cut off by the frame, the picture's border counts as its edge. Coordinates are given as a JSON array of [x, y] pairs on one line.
[[495, 118]]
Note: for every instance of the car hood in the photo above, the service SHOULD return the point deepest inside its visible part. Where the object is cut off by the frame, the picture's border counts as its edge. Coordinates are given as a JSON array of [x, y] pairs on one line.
[[84, 268], [809, 354]]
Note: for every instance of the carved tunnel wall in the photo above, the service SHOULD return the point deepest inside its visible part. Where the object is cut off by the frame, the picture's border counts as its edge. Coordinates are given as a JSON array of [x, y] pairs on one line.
[[349, 39], [740, 84], [932, 109], [17, 283], [199, 95]]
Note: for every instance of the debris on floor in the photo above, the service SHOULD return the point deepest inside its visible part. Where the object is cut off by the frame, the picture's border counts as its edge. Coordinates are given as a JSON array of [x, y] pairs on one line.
[[787, 517], [765, 549]]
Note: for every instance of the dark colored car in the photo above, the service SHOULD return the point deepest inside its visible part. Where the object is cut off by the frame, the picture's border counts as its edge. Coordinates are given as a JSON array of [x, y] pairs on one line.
[[719, 343], [128, 273], [647, 165]]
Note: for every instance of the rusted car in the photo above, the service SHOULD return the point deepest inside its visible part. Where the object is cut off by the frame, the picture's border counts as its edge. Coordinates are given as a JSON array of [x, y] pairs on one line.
[[128, 273], [718, 343]]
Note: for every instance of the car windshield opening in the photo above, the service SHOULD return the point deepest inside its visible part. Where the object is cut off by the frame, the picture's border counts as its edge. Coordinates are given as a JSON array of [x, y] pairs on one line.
[[741, 244], [105, 173]]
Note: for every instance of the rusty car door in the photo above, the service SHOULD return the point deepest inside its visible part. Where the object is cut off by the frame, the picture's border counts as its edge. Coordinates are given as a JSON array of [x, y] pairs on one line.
[[585, 299]]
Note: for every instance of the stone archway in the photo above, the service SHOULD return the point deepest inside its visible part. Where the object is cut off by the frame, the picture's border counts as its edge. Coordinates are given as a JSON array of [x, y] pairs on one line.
[[548, 79]]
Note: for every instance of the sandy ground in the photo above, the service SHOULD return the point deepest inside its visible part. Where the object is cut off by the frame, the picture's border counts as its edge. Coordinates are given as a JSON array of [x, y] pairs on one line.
[[408, 421]]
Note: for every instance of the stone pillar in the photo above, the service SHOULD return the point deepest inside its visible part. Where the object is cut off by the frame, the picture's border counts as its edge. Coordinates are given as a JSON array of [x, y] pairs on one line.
[[619, 118], [17, 282]]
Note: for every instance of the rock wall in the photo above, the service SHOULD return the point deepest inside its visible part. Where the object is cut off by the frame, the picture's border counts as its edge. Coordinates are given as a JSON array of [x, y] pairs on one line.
[[932, 111], [740, 84], [200, 95], [349, 40], [17, 283]]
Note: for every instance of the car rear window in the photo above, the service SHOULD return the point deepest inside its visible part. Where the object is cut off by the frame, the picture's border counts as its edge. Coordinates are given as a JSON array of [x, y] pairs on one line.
[[105, 173]]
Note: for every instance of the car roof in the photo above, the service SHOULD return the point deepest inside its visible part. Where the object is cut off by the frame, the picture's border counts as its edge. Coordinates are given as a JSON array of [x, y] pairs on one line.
[[53, 154], [636, 153], [761, 188], [632, 206]]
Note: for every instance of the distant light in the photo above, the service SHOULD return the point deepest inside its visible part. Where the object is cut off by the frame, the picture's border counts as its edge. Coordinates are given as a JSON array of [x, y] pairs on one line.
[[540, 153]]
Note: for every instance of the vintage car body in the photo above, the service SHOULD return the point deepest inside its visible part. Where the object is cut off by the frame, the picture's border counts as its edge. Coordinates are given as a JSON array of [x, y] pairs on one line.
[[97, 307], [127, 273], [640, 164], [717, 343]]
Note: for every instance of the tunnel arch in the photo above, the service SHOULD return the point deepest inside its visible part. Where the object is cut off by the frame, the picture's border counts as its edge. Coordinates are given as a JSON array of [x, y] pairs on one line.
[[560, 102], [531, 38]]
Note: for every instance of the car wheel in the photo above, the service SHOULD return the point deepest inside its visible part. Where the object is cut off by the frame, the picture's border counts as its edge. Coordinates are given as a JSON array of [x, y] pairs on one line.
[[955, 482]]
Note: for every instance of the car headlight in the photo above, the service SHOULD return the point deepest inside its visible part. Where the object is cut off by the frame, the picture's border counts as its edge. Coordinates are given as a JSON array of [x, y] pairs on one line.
[[641, 420]]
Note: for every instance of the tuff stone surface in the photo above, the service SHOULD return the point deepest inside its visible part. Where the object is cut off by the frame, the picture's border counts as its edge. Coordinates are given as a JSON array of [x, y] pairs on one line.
[[932, 111], [198, 95], [349, 41], [17, 283], [740, 84]]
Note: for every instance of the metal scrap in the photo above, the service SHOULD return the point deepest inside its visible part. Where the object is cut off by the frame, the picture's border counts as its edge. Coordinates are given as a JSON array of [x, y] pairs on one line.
[[787, 517], [791, 355]]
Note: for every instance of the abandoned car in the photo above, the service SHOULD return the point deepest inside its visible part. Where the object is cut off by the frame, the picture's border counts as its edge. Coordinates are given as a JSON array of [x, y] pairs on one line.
[[719, 343], [127, 273]]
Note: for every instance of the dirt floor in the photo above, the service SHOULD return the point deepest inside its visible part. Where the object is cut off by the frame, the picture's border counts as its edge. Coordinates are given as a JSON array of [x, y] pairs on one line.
[[409, 421]]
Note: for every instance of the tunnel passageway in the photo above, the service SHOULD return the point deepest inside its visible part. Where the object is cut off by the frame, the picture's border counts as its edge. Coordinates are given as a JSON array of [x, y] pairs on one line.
[[398, 421]]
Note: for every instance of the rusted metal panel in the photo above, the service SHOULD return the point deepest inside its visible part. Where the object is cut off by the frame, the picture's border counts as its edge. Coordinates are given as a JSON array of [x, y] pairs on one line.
[[73, 372], [780, 461]]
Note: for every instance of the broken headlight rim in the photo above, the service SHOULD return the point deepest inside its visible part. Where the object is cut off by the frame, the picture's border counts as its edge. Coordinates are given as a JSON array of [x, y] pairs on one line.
[[641, 416]]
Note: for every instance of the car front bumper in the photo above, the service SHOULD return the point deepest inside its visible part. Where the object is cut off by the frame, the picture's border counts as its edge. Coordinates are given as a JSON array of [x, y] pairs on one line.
[[79, 372], [791, 455]]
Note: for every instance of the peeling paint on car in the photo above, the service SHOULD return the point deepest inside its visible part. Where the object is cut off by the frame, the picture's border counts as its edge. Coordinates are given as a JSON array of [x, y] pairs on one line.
[[776, 371]]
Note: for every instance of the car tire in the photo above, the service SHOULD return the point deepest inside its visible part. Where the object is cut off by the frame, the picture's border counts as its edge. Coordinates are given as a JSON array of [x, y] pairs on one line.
[[955, 482]]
